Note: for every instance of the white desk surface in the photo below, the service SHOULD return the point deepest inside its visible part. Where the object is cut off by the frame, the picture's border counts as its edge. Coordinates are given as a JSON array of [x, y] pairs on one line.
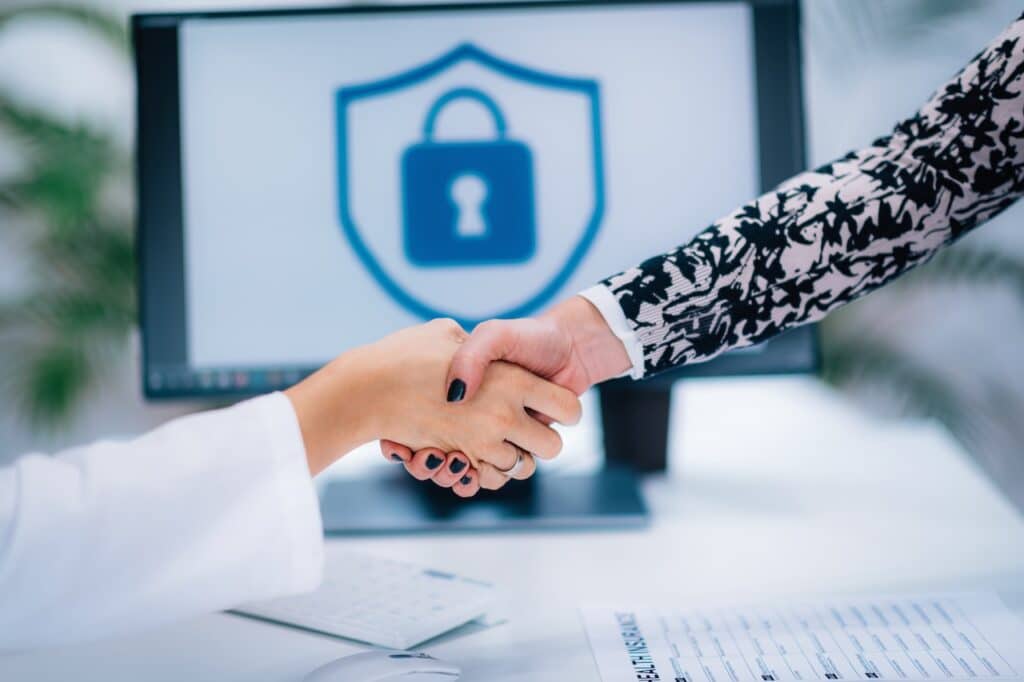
[[777, 488]]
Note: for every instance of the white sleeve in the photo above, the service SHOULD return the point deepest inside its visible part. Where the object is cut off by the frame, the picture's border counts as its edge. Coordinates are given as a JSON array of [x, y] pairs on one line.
[[202, 514], [611, 311]]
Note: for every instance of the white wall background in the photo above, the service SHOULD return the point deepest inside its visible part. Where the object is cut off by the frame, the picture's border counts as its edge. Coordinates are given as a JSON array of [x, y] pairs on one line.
[[868, 63]]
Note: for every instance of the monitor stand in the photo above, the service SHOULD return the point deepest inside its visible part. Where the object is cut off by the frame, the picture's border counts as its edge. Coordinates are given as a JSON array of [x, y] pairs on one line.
[[635, 422]]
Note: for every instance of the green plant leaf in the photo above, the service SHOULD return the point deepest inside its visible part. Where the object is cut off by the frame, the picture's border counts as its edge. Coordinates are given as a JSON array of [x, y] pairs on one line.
[[92, 252], [849, 360], [103, 24], [65, 166], [61, 334], [7, 197], [976, 265], [45, 131], [55, 377], [941, 10], [57, 194], [62, 341], [854, 25], [69, 314]]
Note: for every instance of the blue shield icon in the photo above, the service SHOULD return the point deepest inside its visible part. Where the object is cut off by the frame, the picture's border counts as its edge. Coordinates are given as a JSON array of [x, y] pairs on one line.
[[489, 223]]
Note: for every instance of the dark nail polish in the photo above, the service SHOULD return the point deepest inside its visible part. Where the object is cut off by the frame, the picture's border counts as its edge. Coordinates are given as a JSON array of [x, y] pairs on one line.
[[433, 461], [395, 456], [456, 390], [465, 480], [457, 465]]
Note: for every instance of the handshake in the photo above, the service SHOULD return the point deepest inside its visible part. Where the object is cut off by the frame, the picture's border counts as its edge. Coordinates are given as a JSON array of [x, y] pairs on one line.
[[466, 411]]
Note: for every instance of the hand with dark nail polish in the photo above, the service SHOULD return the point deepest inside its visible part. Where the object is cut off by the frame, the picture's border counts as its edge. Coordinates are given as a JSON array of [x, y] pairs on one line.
[[456, 390], [394, 390], [466, 480], [442, 432]]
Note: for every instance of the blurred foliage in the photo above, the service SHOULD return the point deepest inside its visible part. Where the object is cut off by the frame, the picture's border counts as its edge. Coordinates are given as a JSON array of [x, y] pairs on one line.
[[61, 332], [853, 25], [106, 26], [851, 357]]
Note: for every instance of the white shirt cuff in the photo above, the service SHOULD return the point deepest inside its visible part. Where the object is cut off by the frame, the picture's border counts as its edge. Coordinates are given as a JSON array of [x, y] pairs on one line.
[[606, 304]]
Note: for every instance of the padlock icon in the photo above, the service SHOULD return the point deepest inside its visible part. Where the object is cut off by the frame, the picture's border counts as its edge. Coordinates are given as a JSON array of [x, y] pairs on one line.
[[468, 202]]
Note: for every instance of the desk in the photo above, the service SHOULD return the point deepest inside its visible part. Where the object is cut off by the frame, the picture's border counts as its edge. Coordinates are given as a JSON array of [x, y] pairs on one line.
[[778, 488]]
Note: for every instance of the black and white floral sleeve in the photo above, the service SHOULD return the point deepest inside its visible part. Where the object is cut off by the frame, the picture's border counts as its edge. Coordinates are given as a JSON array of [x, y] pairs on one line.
[[828, 236]]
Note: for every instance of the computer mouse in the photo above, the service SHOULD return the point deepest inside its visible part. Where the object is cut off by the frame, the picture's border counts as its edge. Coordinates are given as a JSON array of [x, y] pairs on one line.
[[385, 666]]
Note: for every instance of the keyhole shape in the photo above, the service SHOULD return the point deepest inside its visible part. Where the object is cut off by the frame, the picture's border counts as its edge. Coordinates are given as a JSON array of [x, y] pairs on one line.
[[468, 193]]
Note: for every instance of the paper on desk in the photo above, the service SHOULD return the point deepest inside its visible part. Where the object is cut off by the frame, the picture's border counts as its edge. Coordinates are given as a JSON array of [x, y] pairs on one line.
[[892, 637]]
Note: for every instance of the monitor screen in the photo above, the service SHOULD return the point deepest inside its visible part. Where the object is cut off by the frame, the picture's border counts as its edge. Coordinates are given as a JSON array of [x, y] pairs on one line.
[[333, 176]]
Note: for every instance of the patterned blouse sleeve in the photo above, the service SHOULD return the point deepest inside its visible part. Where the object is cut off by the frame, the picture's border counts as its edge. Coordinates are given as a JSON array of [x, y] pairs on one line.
[[828, 236]]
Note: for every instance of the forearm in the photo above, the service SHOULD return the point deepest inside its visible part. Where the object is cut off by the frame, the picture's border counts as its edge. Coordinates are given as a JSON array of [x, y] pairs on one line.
[[337, 408], [829, 236]]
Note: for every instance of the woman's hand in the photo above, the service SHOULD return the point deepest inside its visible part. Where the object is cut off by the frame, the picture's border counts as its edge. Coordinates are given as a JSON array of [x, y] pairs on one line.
[[389, 390], [454, 470], [448, 471], [570, 345]]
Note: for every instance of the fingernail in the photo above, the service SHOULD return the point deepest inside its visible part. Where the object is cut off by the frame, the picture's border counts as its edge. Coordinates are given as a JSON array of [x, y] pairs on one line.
[[456, 390], [457, 465], [465, 480], [395, 456], [433, 461]]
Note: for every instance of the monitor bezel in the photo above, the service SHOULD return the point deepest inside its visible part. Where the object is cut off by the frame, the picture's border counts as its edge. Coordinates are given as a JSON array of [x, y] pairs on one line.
[[160, 227]]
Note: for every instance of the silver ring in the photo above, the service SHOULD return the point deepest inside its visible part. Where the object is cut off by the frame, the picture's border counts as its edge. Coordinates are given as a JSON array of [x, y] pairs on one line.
[[515, 468]]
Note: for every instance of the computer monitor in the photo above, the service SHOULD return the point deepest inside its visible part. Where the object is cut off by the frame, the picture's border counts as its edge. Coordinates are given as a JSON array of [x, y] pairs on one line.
[[313, 179]]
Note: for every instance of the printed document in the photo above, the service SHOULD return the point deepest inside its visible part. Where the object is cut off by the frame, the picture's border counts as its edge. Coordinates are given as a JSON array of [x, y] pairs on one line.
[[913, 637]]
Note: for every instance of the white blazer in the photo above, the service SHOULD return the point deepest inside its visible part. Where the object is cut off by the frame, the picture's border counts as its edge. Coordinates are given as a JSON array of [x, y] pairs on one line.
[[204, 513]]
